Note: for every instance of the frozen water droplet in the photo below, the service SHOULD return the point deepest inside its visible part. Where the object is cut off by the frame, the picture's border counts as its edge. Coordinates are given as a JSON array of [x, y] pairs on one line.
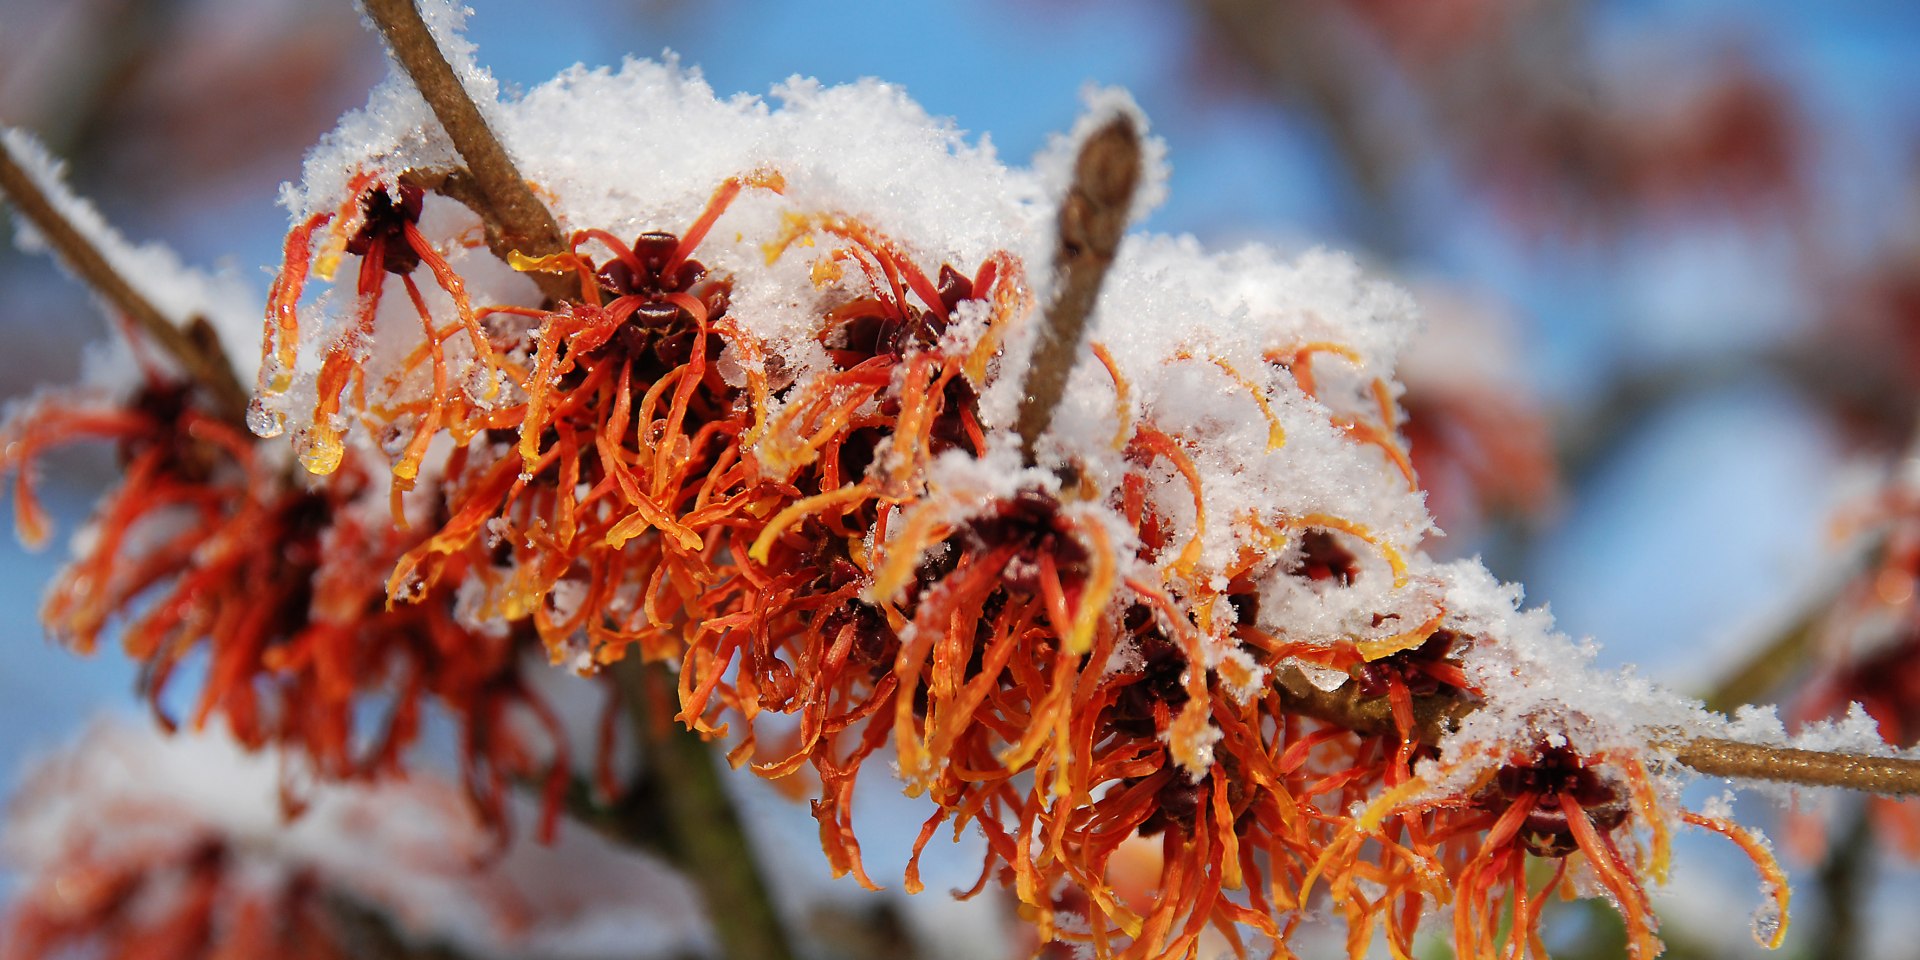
[[264, 423], [410, 589], [321, 457]]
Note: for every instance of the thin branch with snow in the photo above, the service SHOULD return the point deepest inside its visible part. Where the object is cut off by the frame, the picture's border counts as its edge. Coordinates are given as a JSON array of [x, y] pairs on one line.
[[1436, 715], [192, 345], [516, 219], [1093, 217]]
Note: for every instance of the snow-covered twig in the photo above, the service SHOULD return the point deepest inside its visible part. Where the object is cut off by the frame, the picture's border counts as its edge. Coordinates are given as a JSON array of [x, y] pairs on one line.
[[194, 347], [1092, 219], [1715, 756], [515, 218]]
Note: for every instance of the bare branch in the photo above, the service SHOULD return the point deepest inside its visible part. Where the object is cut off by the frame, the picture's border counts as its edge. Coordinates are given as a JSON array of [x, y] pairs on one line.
[[1092, 219], [514, 217], [1889, 776], [1435, 715], [198, 353]]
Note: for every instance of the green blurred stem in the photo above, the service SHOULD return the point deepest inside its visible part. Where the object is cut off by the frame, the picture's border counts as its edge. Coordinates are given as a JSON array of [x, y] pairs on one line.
[[1766, 667], [700, 826], [1769, 666], [1844, 879]]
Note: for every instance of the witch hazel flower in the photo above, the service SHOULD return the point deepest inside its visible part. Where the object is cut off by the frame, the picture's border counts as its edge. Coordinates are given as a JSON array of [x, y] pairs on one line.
[[214, 564], [748, 387], [765, 433]]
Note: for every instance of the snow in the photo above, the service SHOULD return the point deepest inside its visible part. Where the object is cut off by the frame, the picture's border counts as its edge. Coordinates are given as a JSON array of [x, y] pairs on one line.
[[414, 847], [1853, 732]]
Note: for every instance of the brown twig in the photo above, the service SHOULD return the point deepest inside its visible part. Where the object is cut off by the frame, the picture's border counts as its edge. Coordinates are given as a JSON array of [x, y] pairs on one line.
[[1437, 714], [1889, 776], [198, 354], [515, 219], [1092, 219]]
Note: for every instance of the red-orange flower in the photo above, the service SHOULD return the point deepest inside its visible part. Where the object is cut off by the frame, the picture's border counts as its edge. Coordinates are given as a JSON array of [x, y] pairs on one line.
[[792, 478], [206, 550]]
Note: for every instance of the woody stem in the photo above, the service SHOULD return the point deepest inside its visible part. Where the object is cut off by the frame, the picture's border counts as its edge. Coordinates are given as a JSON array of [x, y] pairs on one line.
[[194, 347], [515, 219], [1435, 715], [1888, 776], [1092, 219]]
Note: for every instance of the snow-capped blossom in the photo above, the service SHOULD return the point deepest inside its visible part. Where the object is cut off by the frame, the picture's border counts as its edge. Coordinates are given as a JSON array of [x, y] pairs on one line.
[[381, 228], [770, 442], [212, 552], [138, 844]]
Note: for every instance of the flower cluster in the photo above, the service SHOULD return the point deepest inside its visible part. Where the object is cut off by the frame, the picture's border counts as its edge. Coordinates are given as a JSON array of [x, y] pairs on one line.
[[209, 555], [768, 442]]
